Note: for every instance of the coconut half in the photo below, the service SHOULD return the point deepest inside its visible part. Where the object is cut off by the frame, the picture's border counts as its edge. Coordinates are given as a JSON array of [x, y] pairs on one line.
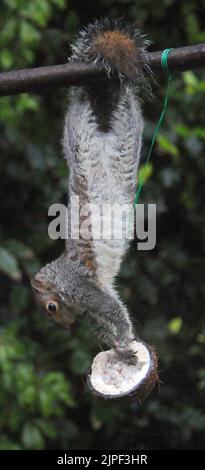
[[111, 377]]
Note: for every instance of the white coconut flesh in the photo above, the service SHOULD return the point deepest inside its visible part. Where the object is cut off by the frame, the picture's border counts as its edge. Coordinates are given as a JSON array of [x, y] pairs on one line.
[[110, 376]]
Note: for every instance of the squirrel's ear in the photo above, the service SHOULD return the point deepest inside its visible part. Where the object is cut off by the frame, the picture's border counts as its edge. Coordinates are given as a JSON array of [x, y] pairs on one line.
[[40, 286]]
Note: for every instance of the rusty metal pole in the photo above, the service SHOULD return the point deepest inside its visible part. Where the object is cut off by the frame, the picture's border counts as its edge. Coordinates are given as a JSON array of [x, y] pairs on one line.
[[43, 79]]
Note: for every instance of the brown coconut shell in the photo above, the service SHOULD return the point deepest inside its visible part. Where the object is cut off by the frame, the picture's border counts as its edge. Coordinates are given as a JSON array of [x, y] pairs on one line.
[[139, 392]]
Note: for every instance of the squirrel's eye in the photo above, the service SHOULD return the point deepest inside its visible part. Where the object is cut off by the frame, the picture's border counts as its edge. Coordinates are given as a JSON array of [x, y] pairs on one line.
[[52, 307]]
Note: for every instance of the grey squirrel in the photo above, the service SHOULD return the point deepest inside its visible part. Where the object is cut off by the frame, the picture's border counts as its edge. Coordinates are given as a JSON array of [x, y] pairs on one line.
[[102, 143]]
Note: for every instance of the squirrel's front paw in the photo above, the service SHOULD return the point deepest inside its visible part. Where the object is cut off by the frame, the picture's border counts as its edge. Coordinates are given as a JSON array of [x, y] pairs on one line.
[[127, 353]]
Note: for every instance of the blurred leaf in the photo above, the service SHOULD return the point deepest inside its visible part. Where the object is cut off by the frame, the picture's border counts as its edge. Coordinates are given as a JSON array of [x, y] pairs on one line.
[[60, 3], [38, 11], [19, 249], [166, 145], [182, 130], [8, 265], [175, 325], [47, 428], [199, 132], [145, 172], [45, 402], [190, 79], [6, 59], [9, 29], [25, 102], [31, 437], [29, 34]]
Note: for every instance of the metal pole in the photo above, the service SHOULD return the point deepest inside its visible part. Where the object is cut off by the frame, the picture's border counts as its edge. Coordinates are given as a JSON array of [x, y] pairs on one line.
[[43, 79]]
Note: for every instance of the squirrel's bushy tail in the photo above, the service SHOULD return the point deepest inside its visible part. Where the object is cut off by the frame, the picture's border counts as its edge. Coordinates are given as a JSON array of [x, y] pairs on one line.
[[117, 48]]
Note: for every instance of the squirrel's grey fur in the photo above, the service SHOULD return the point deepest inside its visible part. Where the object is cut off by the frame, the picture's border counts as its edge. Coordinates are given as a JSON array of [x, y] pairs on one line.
[[102, 143]]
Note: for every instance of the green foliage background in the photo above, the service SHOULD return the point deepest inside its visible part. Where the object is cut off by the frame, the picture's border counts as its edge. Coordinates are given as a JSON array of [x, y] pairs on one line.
[[43, 397]]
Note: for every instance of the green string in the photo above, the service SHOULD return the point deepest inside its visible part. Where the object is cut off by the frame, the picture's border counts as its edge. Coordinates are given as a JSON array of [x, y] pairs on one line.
[[165, 67]]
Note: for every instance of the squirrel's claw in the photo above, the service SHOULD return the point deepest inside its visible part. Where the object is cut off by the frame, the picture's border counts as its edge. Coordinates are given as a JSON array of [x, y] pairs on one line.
[[127, 354]]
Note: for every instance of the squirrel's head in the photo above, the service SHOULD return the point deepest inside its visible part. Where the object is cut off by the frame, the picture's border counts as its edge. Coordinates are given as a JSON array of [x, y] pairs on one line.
[[52, 294]]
